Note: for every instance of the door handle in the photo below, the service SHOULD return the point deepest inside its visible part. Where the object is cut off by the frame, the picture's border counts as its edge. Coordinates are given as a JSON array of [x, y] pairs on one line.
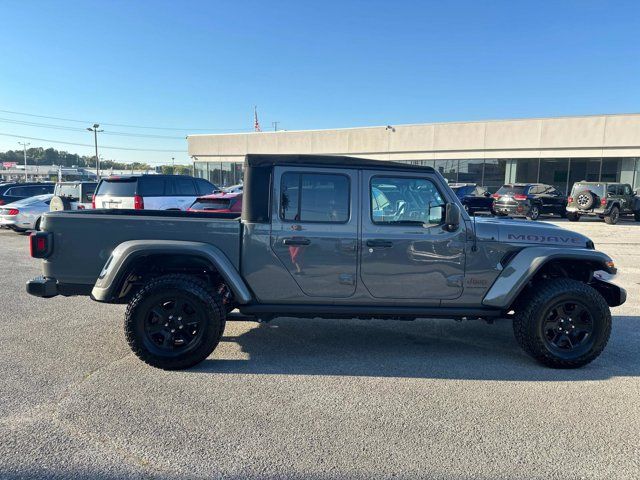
[[379, 243], [296, 241]]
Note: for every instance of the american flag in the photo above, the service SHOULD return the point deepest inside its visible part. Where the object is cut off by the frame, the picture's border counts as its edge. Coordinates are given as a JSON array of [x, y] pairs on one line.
[[256, 123]]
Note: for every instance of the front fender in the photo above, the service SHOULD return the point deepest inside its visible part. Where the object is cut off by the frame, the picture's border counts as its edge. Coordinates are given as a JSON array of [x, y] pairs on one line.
[[123, 256], [528, 262]]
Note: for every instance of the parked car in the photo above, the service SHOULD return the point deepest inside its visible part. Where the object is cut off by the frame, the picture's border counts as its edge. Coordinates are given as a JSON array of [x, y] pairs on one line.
[[234, 188], [602, 199], [309, 245], [219, 203], [151, 192], [73, 196], [473, 197], [25, 214], [529, 200], [13, 191]]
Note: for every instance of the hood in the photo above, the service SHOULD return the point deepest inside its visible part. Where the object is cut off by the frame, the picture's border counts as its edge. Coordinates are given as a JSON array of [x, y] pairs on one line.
[[527, 232]]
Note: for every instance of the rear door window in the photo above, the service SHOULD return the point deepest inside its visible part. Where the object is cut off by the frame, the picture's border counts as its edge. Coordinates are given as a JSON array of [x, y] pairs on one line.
[[123, 187], [152, 186], [204, 187], [184, 187], [314, 197]]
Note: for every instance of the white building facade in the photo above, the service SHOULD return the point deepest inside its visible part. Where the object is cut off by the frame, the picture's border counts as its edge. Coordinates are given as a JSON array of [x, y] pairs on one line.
[[556, 151]]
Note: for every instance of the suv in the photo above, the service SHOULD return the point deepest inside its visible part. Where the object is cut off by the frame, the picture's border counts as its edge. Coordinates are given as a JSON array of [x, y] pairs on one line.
[[330, 237], [12, 192], [72, 196], [529, 200], [602, 199], [151, 192], [473, 197]]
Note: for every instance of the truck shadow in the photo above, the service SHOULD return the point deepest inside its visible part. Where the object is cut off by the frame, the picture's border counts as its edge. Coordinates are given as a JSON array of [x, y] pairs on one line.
[[440, 349]]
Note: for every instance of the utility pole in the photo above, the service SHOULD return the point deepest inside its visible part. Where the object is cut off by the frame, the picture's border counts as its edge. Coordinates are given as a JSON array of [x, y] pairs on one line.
[[275, 126], [24, 146], [173, 165], [95, 131]]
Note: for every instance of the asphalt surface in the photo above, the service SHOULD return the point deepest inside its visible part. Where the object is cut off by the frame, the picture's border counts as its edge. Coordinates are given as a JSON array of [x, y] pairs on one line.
[[312, 399]]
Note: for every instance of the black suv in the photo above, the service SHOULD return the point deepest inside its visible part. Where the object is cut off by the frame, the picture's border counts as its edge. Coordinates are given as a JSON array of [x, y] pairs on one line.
[[529, 200], [473, 197], [605, 200], [12, 192]]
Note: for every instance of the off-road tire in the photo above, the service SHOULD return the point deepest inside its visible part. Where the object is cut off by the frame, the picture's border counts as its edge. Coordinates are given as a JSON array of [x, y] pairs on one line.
[[530, 316], [534, 212], [573, 217], [201, 296], [613, 217], [586, 199]]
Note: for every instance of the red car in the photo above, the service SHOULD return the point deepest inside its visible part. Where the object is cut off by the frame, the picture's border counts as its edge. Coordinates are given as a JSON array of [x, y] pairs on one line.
[[218, 203]]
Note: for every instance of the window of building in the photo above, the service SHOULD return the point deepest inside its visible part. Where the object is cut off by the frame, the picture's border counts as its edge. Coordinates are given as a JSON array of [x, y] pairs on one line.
[[584, 169], [610, 170], [471, 171], [555, 171], [527, 170], [314, 197], [402, 200], [494, 174], [448, 169]]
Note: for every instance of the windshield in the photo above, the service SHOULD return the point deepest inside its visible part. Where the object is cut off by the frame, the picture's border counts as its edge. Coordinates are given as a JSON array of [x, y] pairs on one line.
[[121, 187], [512, 190], [596, 188]]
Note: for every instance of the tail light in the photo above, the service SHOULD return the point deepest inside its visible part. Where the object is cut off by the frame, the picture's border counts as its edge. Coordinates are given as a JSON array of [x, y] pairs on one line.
[[93, 201], [520, 197], [138, 203], [1, 201], [80, 207], [13, 211], [569, 199], [603, 202], [40, 244], [495, 195]]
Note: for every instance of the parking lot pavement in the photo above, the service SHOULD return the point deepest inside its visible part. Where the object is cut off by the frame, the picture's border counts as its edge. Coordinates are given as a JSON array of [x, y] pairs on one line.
[[312, 399]]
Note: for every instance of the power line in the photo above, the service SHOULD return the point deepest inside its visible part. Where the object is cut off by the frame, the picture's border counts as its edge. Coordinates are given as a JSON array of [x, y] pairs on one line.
[[77, 129], [89, 145], [130, 126]]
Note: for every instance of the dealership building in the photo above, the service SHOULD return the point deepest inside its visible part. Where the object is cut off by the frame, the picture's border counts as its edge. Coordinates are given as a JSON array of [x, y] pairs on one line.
[[556, 151]]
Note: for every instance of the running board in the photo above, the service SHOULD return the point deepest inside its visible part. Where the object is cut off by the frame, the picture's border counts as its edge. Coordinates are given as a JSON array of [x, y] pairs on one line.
[[367, 311]]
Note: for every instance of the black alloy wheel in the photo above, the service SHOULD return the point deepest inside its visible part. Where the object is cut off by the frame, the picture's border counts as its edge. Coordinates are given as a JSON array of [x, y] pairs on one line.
[[173, 326], [568, 327]]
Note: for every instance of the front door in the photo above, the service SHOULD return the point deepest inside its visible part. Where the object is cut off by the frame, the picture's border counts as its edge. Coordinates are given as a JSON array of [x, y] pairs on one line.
[[314, 233], [407, 253]]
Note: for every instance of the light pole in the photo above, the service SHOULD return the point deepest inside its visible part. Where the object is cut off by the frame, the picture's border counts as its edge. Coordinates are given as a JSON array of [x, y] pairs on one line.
[[173, 165], [24, 146], [95, 131]]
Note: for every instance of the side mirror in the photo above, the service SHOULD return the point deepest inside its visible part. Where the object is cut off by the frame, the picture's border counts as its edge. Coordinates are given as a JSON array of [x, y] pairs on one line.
[[452, 216]]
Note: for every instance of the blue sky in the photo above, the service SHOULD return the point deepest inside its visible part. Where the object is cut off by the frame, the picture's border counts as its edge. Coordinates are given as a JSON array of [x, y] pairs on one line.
[[204, 64]]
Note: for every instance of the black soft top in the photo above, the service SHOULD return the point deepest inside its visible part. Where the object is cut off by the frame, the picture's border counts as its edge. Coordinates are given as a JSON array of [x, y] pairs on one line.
[[259, 160]]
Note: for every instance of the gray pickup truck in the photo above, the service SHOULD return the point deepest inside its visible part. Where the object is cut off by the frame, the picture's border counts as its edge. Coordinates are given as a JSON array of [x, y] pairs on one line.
[[330, 237]]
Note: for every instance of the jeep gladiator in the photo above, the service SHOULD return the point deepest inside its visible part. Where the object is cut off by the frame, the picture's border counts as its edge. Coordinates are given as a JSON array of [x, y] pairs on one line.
[[330, 237]]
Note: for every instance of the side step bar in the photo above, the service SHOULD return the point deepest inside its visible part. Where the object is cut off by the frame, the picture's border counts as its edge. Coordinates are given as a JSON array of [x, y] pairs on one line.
[[267, 311]]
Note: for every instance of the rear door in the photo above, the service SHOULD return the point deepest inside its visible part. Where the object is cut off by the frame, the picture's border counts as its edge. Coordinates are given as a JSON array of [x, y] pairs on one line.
[[315, 232], [406, 251], [185, 191]]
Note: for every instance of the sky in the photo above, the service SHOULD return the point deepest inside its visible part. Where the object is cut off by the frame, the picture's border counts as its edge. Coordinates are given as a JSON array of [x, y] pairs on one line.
[[200, 67]]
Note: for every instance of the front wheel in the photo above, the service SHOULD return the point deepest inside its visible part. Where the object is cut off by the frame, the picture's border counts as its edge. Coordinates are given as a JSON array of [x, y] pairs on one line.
[[613, 217], [564, 323], [174, 322]]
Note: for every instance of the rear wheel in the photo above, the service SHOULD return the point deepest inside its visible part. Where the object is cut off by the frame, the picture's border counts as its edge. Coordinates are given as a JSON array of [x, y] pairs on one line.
[[563, 324], [534, 213], [174, 322], [613, 217], [573, 217]]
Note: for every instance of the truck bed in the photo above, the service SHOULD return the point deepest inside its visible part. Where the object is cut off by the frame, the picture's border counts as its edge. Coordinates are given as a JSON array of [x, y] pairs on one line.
[[84, 239]]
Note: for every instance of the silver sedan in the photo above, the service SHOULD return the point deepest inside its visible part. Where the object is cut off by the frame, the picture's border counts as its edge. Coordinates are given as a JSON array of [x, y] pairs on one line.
[[25, 214]]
